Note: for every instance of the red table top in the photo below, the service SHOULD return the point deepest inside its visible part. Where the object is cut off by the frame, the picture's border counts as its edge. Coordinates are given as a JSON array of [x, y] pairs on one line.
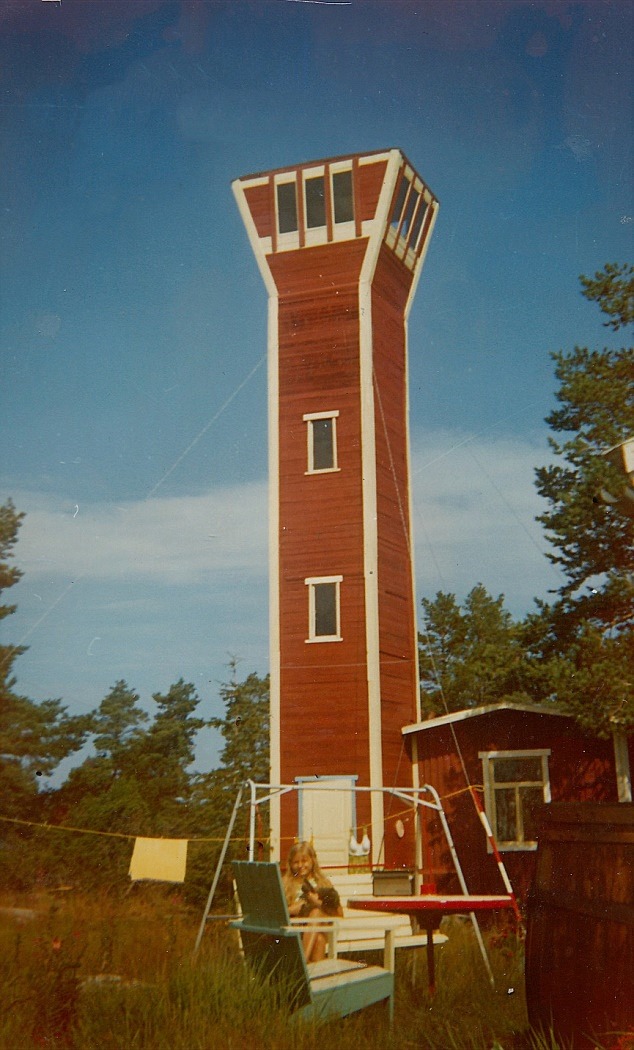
[[432, 902]]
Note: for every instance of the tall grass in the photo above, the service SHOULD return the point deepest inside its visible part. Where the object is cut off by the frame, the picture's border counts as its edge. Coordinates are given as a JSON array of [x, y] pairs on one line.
[[102, 974]]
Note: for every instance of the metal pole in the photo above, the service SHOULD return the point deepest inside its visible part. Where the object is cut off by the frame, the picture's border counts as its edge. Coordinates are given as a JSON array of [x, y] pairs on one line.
[[221, 861], [253, 805], [463, 884]]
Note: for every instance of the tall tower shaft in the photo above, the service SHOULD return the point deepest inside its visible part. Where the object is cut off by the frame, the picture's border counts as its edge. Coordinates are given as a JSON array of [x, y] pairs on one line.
[[340, 244]]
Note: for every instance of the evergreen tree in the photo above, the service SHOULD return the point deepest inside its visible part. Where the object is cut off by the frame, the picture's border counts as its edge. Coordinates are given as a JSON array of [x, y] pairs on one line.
[[584, 638], [139, 783], [244, 756], [245, 728], [159, 758], [34, 737], [117, 724], [470, 656], [593, 542]]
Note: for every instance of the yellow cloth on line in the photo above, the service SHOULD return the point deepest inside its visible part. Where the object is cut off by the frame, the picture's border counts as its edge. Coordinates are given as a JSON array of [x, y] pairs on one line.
[[164, 860]]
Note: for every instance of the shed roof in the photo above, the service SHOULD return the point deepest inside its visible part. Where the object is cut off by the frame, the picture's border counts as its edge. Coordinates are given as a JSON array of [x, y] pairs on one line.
[[485, 709]]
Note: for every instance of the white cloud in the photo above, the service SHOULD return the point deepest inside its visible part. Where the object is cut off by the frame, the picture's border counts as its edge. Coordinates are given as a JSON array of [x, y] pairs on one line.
[[474, 508], [475, 504], [176, 540]]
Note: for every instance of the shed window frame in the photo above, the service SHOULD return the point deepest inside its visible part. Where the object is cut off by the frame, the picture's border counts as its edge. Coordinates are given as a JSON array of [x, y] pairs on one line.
[[313, 582], [310, 418], [494, 785]]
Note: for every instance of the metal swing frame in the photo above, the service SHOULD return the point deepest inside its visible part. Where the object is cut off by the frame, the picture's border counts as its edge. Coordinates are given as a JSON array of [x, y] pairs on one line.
[[412, 796]]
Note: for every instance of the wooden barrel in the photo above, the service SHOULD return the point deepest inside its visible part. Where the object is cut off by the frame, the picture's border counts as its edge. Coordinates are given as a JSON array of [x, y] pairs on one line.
[[580, 923]]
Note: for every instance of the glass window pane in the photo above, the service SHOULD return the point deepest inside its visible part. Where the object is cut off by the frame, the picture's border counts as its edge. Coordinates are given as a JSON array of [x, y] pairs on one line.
[[530, 798], [399, 202], [287, 207], [315, 203], [342, 196], [506, 815], [511, 770], [323, 445], [418, 222], [409, 211], [325, 609]]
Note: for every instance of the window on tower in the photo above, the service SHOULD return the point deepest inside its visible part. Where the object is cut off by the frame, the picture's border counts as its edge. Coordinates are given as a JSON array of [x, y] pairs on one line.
[[397, 210], [286, 207], [323, 209], [315, 202], [324, 618], [322, 441], [407, 219], [342, 196], [418, 222], [412, 200]]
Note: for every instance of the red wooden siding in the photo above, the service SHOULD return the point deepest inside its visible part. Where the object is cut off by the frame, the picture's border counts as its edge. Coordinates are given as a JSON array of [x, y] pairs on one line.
[[581, 768], [260, 203], [323, 685], [370, 181], [320, 269]]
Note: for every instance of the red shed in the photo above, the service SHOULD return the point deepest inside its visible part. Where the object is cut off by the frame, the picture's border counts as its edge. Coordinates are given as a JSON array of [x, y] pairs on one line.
[[340, 244], [514, 755]]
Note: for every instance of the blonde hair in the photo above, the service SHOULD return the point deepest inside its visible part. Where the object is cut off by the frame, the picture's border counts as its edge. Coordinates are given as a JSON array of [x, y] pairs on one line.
[[291, 880]]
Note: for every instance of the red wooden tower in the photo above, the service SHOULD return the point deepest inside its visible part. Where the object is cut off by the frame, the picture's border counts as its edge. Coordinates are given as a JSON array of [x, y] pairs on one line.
[[340, 244]]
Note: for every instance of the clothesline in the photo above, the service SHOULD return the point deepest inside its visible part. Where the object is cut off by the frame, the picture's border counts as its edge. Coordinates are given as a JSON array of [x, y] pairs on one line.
[[110, 834], [188, 838]]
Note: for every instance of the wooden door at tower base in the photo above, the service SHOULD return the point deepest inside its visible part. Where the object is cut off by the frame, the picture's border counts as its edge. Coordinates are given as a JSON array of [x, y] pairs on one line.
[[326, 815]]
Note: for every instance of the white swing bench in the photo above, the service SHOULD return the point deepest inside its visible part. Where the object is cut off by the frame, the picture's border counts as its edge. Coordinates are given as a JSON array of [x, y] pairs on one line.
[[364, 931]]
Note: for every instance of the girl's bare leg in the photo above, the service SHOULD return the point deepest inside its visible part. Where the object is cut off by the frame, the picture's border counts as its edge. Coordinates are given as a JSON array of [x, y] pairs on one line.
[[314, 943]]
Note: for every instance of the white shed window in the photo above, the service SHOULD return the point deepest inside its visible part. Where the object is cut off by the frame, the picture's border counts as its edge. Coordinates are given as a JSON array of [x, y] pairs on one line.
[[322, 441], [514, 782], [324, 617]]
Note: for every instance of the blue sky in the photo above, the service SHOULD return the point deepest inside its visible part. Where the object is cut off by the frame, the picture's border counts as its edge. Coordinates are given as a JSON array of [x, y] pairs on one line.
[[133, 318]]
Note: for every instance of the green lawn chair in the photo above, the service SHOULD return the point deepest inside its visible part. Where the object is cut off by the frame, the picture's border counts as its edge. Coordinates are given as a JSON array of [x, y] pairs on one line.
[[332, 987]]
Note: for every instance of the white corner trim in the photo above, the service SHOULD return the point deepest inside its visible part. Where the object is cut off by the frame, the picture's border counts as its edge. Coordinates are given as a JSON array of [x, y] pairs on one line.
[[255, 241], [421, 259], [274, 569], [369, 499]]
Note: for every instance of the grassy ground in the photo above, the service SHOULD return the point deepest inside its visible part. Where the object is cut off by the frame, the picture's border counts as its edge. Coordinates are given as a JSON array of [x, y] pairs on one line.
[[120, 975]]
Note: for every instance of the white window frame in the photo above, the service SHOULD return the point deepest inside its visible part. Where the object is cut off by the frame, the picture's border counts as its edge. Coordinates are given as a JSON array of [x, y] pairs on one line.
[[285, 181], [491, 785], [404, 245], [341, 231], [311, 582], [309, 418]]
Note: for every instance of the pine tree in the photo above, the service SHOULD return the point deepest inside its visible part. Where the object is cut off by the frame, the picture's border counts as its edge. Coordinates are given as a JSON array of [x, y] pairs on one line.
[[244, 756], [585, 636], [34, 737], [470, 656]]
